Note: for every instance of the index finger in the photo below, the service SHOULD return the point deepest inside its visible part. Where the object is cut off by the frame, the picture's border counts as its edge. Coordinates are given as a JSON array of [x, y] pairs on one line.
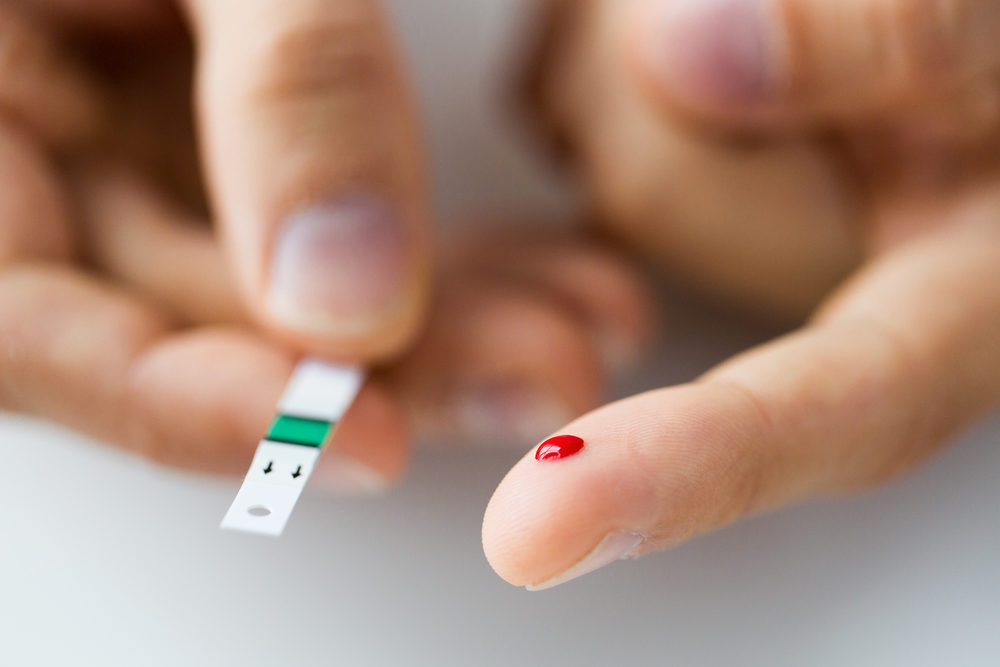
[[904, 357]]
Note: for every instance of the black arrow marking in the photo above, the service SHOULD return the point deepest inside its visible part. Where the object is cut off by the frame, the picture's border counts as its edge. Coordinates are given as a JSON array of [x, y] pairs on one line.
[[269, 468], [297, 473]]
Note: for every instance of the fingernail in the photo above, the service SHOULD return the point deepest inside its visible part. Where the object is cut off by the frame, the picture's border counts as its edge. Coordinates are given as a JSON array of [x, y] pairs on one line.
[[510, 412], [616, 546], [714, 52], [344, 476], [340, 268]]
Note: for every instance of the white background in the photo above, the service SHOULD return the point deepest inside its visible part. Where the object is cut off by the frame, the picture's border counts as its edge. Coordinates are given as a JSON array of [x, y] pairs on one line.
[[107, 560]]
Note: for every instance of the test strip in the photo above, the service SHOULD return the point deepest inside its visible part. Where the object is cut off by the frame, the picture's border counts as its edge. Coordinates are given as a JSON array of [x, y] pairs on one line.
[[317, 396]]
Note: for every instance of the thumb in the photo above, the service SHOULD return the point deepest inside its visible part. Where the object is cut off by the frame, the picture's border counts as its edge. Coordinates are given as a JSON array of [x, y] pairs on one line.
[[763, 60], [892, 367], [314, 167]]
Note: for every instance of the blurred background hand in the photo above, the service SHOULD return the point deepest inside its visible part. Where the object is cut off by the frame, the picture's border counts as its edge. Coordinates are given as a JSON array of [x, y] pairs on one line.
[[120, 315], [303, 145], [791, 156], [787, 159]]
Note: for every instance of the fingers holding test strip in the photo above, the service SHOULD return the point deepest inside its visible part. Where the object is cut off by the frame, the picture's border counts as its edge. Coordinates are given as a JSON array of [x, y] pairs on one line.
[[198, 399], [511, 351]]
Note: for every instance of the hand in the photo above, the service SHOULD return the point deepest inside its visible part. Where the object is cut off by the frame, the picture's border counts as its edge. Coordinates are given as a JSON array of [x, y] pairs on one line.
[[773, 151], [119, 318], [304, 132]]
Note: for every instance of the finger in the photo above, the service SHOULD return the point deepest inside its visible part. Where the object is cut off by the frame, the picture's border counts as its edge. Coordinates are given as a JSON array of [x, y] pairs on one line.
[[497, 365], [43, 89], [315, 169], [765, 60], [34, 215], [111, 366], [138, 238], [600, 288], [893, 366], [769, 226]]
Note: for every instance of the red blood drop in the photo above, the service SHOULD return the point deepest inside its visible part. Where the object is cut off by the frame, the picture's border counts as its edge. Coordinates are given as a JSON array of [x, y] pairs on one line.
[[559, 447]]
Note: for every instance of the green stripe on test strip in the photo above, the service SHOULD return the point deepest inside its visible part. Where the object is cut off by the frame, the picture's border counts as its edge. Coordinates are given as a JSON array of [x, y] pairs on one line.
[[299, 431]]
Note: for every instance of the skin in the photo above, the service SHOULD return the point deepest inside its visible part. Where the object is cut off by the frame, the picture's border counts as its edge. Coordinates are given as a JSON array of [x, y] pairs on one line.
[[124, 308], [851, 179], [793, 203]]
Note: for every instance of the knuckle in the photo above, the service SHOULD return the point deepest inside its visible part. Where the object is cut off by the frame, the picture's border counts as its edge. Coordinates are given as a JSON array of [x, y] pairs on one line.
[[340, 56], [908, 42]]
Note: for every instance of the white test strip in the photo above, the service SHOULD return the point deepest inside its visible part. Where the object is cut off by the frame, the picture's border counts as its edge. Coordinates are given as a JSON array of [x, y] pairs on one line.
[[317, 396]]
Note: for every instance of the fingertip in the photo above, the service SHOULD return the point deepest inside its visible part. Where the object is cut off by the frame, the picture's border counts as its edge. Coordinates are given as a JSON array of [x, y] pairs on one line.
[[546, 517], [634, 476], [348, 278], [363, 344]]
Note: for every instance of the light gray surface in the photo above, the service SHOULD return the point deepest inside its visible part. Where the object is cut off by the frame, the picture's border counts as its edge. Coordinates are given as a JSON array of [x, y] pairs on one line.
[[106, 560]]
